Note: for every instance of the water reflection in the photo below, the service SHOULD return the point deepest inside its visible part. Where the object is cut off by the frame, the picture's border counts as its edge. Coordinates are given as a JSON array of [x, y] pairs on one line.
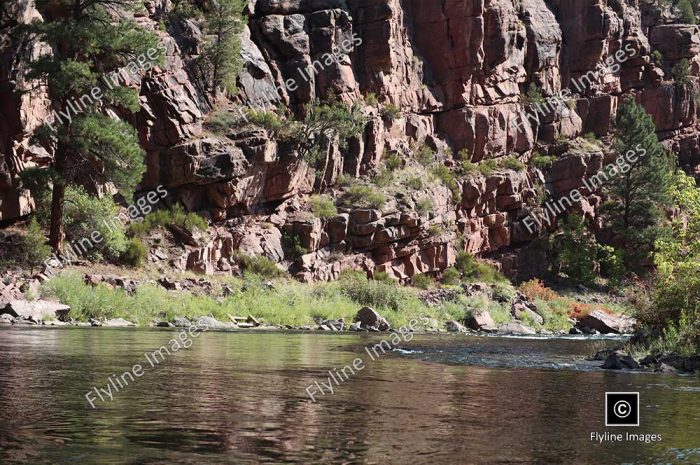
[[240, 398]]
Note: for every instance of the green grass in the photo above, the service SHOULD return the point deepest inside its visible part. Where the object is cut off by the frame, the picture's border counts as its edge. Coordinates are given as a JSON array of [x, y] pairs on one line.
[[288, 302], [365, 196], [323, 206]]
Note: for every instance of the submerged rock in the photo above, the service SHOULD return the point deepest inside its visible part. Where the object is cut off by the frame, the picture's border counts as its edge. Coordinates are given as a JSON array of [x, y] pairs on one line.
[[620, 360]]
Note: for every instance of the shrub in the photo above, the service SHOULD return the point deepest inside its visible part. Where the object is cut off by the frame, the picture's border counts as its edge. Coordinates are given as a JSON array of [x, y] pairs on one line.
[[219, 122], [469, 168], [533, 96], [323, 206], [383, 178], [590, 137], [371, 99], [541, 161], [657, 58], [292, 245], [372, 293], [424, 205], [476, 271], [176, 216], [681, 72], [448, 178], [487, 167], [687, 15], [365, 196], [259, 266], [422, 281], [135, 253], [535, 289], [464, 155], [393, 162], [85, 215], [34, 248], [450, 277], [390, 112], [415, 183], [512, 163], [425, 155]]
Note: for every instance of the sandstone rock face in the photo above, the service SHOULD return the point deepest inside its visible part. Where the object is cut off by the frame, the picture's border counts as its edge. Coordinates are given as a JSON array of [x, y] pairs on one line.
[[455, 69]]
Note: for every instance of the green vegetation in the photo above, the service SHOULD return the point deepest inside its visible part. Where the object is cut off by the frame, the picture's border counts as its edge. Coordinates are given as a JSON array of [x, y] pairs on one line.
[[221, 121], [84, 215], [292, 247], [371, 99], [512, 163], [135, 254], [424, 205], [323, 206], [34, 249], [681, 72], [425, 155], [487, 167], [221, 62], [533, 96], [673, 302], [422, 281], [257, 266], [687, 15], [414, 183], [657, 58], [364, 196], [90, 144], [473, 270], [575, 250], [390, 112], [176, 216], [451, 277], [393, 162], [448, 178], [636, 198], [542, 162]]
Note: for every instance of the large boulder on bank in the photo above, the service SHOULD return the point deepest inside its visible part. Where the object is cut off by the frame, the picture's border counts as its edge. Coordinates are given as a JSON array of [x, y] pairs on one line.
[[36, 310], [480, 320], [369, 318], [605, 323], [515, 328]]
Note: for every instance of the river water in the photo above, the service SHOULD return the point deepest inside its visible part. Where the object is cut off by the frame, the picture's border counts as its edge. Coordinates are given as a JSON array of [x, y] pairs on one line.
[[233, 398]]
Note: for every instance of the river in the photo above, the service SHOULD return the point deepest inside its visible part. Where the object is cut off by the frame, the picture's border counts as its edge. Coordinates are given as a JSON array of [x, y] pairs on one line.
[[233, 398]]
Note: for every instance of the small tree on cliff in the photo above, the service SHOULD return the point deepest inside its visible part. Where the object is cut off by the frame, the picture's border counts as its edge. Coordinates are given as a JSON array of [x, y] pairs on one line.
[[221, 60], [88, 39], [640, 191]]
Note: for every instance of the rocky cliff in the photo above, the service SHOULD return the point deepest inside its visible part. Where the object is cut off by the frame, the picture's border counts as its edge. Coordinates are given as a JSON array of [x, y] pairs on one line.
[[456, 69]]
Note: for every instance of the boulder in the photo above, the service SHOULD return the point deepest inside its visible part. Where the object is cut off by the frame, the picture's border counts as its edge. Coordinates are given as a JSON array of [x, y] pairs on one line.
[[207, 322], [36, 310], [604, 323], [480, 320], [182, 322], [619, 360], [118, 323], [515, 328], [455, 327], [369, 318], [522, 312]]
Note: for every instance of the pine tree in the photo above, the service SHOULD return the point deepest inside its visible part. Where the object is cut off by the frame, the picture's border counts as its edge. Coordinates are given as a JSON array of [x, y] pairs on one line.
[[636, 198], [221, 59], [88, 40]]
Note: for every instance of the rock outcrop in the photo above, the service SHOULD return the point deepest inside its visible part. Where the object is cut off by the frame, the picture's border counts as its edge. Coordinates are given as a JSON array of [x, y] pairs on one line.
[[456, 70]]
